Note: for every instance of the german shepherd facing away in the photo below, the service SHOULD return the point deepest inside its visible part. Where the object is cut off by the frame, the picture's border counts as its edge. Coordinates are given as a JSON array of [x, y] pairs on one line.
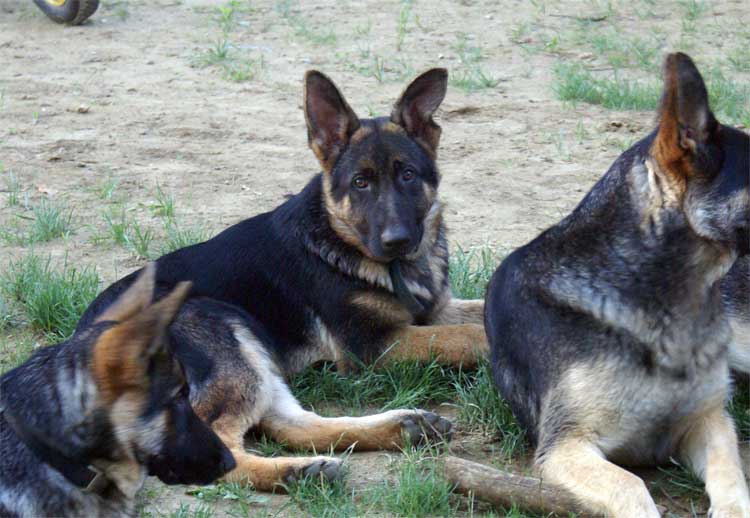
[[355, 265], [83, 422], [735, 288], [608, 335]]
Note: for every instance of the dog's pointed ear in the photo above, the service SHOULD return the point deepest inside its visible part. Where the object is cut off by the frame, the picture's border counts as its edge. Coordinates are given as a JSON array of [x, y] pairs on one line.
[[414, 109], [685, 119], [123, 352], [330, 120], [135, 299]]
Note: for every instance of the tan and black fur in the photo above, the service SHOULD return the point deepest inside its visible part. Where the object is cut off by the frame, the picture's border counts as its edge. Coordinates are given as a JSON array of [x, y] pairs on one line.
[[82, 423], [355, 266], [608, 333]]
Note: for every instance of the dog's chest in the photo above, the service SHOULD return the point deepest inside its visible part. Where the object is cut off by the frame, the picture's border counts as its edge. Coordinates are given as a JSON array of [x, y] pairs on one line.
[[655, 411]]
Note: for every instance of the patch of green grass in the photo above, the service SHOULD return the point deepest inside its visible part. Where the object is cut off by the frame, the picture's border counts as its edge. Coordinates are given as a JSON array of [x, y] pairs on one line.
[[139, 239], [324, 499], [482, 408], [163, 206], [179, 237], [51, 220], [106, 190], [730, 100], [679, 482], [12, 188], [51, 299], [469, 75], [14, 350], [406, 384], [402, 23], [471, 270], [739, 408], [117, 223], [575, 83], [48, 221], [185, 511], [301, 27], [420, 488], [241, 495], [620, 50], [739, 58]]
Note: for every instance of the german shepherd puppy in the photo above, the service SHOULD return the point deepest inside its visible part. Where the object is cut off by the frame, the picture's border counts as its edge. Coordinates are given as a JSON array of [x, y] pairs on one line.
[[355, 265], [735, 288], [608, 335], [83, 422]]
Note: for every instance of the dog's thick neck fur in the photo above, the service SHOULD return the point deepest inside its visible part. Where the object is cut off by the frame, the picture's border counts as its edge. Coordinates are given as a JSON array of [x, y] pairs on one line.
[[60, 410], [660, 283]]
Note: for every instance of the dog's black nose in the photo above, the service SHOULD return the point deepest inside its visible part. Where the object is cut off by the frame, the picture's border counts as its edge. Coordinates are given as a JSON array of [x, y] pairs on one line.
[[394, 238]]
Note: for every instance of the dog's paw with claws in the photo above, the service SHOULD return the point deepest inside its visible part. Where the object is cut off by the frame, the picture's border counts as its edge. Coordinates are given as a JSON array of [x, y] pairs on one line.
[[421, 426], [326, 469]]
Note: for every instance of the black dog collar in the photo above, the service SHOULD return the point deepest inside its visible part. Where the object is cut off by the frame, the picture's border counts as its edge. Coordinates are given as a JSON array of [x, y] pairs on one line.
[[405, 296], [78, 473]]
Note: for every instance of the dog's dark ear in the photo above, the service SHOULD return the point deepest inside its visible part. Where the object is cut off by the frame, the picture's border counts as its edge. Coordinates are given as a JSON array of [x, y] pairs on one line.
[[330, 120], [121, 354], [414, 109], [685, 119]]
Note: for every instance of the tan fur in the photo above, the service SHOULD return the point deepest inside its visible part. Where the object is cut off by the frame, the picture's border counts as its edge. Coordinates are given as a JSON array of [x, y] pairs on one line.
[[384, 308], [624, 423], [309, 430], [710, 449], [603, 487], [459, 311], [739, 351], [460, 344]]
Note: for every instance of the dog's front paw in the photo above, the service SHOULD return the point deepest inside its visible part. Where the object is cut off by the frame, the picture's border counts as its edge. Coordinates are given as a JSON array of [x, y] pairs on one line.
[[325, 469], [421, 426]]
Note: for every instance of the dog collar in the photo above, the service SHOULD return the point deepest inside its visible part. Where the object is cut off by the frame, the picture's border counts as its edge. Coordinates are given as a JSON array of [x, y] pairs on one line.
[[76, 472], [405, 296]]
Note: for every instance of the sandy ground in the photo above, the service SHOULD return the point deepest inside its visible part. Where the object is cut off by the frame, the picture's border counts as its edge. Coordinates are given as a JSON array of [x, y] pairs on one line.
[[125, 99]]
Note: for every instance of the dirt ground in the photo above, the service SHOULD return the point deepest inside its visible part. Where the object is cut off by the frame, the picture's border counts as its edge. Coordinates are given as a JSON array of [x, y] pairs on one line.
[[137, 100]]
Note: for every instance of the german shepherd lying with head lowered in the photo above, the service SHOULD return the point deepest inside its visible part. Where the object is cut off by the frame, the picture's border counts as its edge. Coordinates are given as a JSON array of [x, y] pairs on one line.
[[608, 334], [354, 266], [83, 422]]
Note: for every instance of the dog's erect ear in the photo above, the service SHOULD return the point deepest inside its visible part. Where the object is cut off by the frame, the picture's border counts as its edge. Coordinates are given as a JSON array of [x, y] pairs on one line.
[[122, 353], [330, 120], [685, 119], [136, 297], [414, 110]]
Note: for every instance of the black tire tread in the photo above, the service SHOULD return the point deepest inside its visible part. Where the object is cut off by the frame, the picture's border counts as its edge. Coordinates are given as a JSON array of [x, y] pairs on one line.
[[85, 9]]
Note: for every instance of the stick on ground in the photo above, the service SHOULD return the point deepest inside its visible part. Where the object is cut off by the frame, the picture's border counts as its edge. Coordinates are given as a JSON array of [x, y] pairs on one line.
[[504, 489]]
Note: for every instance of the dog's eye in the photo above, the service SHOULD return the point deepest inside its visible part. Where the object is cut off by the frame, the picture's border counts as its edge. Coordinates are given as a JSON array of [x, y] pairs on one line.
[[408, 174], [360, 182]]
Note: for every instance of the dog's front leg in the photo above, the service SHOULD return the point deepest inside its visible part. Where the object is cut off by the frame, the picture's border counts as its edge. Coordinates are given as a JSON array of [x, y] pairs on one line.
[[460, 311], [457, 344], [710, 449], [601, 486]]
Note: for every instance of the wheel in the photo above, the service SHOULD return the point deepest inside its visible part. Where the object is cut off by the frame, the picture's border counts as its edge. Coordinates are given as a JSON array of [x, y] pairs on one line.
[[74, 12]]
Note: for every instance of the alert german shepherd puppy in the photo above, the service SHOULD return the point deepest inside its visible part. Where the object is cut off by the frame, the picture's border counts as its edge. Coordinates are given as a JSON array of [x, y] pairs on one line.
[[354, 266], [607, 332], [83, 422]]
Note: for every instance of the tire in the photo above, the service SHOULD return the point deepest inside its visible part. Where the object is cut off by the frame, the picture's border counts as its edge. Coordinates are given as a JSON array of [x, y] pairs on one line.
[[73, 12]]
